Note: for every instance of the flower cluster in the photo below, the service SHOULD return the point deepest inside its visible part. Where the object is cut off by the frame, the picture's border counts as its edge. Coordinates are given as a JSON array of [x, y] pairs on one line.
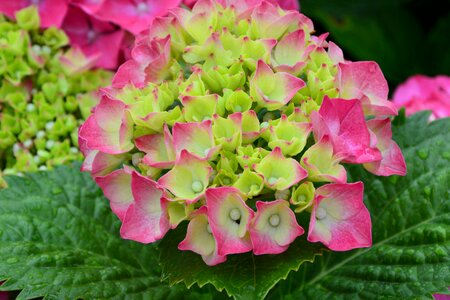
[[235, 117], [45, 94], [425, 93], [103, 29]]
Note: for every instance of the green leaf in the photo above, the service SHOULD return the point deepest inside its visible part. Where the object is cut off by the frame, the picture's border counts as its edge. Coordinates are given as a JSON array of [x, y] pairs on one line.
[[243, 276], [59, 240], [411, 228]]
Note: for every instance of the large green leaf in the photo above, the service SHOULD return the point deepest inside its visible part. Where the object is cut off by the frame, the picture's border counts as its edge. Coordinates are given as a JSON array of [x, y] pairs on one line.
[[243, 276], [411, 229], [59, 239]]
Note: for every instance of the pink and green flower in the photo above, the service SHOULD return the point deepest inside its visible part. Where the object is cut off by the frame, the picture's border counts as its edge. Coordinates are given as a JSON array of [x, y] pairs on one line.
[[214, 112]]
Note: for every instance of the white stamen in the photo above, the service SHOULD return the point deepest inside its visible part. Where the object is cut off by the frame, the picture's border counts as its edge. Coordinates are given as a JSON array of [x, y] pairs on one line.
[[30, 107], [142, 7], [46, 49], [49, 125], [272, 180], [73, 150], [91, 35], [208, 228], [36, 48], [274, 220], [301, 198], [40, 134], [197, 186], [49, 144], [16, 148], [235, 214], [321, 213], [28, 143]]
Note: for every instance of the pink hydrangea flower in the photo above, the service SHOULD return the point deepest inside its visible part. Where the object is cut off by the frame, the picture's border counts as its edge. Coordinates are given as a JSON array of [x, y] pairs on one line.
[[339, 218], [208, 119], [51, 12], [134, 15], [149, 62], [273, 228], [420, 92], [229, 218], [146, 219], [392, 161], [199, 239], [344, 122], [109, 129], [98, 39], [89, 6], [364, 80], [116, 187]]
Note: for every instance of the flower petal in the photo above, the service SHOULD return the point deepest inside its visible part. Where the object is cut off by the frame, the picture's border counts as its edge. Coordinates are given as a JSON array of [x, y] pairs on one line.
[[116, 186], [279, 172], [273, 90], [158, 148], [195, 173], [197, 138], [322, 164], [229, 218], [339, 218], [199, 239], [344, 122], [146, 220], [392, 161], [109, 129], [364, 80], [273, 228]]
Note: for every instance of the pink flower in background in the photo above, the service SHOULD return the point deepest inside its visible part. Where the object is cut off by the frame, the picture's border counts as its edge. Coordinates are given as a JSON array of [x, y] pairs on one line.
[[89, 6], [421, 92], [52, 12], [96, 38], [436, 297], [134, 15]]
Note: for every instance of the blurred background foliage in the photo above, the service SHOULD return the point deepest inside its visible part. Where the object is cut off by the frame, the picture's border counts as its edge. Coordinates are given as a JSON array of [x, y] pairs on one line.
[[405, 37]]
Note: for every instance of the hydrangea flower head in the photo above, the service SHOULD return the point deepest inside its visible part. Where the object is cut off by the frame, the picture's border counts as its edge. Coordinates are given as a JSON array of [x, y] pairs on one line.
[[47, 90], [239, 119]]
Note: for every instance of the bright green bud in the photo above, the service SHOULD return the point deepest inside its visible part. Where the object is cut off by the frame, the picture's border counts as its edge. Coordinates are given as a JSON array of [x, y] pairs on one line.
[[55, 38], [237, 101], [302, 196], [248, 156], [28, 18], [17, 71], [7, 139], [10, 123], [227, 132], [289, 136], [249, 183], [18, 101]]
